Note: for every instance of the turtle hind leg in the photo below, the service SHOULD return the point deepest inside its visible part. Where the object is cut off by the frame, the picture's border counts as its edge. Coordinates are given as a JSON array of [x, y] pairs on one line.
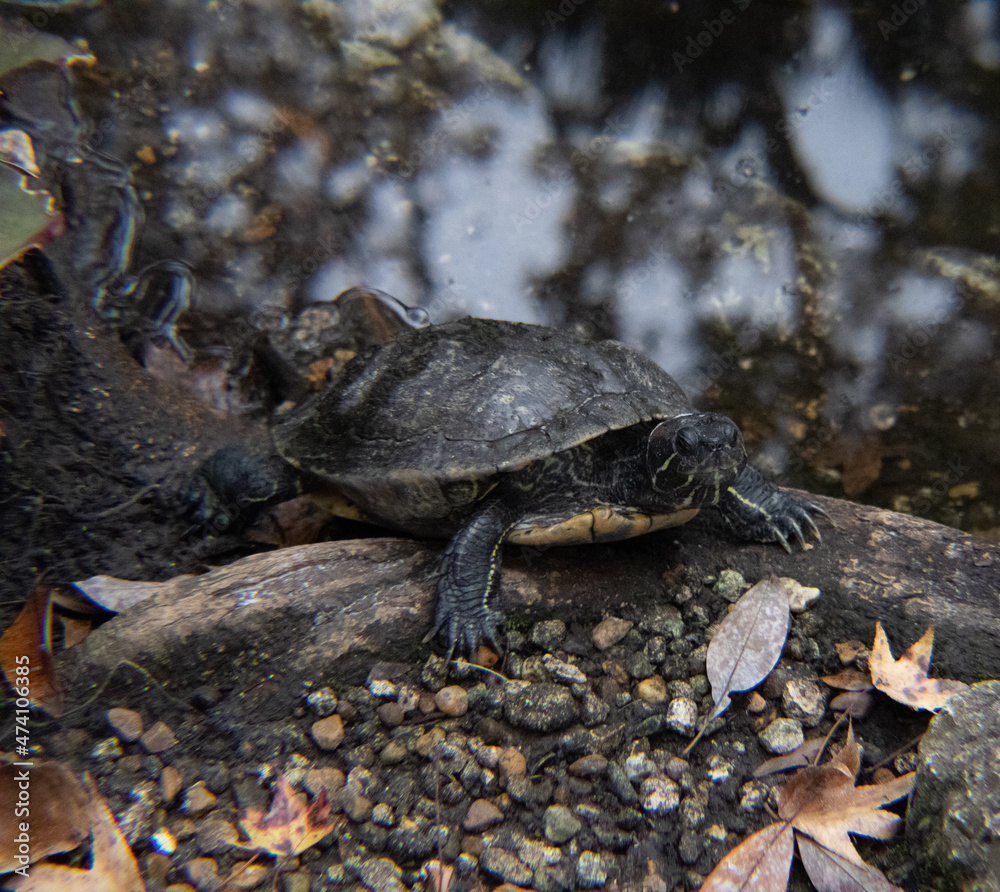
[[758, 510], [470, 573]]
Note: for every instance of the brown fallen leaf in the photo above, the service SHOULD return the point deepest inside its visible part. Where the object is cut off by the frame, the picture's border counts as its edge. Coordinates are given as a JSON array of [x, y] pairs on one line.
[[855, 704], [822, 805], [113, 864], [26, 654], [51, 804], [804, 754], [290, 827], [849, 680], [747, 644], [905, 679]]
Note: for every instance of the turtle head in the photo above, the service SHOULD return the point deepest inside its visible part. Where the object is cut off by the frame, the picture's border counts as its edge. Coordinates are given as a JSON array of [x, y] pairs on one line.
[[693, 458]]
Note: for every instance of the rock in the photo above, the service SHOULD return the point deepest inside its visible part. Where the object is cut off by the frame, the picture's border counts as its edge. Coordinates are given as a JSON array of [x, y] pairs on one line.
[[328, 780], [505, 866], [215, 836], [652, 690], [781, 736], [561, 825], [328, 733], [730, 585], [660, 795], [158, 739], [170, 783], [609, 632], [541, 707], [664, 620], [452, 700], [391, 715], [593, 765], [799, 596], [548, 634], [204, 873], [383, 815], [126, 723], [562, 671], [802, 699], [682, 716], [481, 815], [382, 875], [756, 704], [198, 800], [591, 872], [107, 750], [512, 763], [953, 817], [323, 701]]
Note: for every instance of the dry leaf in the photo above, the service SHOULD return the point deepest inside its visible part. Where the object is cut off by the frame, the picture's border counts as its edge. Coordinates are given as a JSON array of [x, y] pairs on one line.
[[290, 827], [760, 863], [830, 872], [26, 654], [114, 594], [804, 754], [113, 864], [55, 816], [747, 644], [849, 680], [905, 679], [852, 703]]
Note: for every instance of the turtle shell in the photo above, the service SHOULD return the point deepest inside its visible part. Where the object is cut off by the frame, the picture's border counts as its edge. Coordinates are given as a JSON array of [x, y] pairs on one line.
[[426, 423]]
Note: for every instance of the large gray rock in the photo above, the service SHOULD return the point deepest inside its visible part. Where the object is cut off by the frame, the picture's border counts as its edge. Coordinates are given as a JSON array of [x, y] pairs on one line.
[[954, 818]]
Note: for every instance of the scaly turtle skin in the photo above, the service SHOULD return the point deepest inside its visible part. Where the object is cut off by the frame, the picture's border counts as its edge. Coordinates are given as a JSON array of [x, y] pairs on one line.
[[490, 432]]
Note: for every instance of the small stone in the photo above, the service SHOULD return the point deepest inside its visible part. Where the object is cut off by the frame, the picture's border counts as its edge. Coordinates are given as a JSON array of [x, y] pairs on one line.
[[730, 585], [799, 595], [215, 836], [382, 874], [541, 707], [107, 750], [126, 722], [548, 635], [609, 632], [562, 671], [391, 714], [328, 733], [198, 800], [505, 866], [757, 704], [561, 824], [481, 815], [849, 651], [652, 690], [383, 815], [719, 769], [320, 780], [408, 698], [802, 699], [204, 873], [427, 742], [382, 687], [781, 736], [356, 806], [392, 753], [158, 739], [692, 814], [593, 765], [660, 795], [295, 882], [638, 766], [323, 701], [512, 763], [170, 783], [536, 854], [591, 872], [682, 716], [452, 700]]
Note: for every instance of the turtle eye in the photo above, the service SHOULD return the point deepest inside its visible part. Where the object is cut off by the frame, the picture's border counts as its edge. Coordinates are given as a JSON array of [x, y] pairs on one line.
[[687, 442]]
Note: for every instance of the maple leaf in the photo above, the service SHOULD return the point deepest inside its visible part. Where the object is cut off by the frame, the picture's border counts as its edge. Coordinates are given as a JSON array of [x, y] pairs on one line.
[[905, 679], [113, 864], [290, 827], [822, 806]]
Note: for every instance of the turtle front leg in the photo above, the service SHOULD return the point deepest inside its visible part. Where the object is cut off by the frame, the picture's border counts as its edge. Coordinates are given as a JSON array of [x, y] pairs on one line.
[[470, 572], [754, 508]]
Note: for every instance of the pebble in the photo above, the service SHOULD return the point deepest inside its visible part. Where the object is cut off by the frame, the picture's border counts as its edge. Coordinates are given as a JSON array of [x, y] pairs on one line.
[[652, 690], [328, 733], [481, 815], [328, 780], [638, 766], [126, 723], [682, 716], [296, 882], [593, 765], [505, 866], [561, 825], [562, 671], [512, 763], [215, 836], [541, 707], [548, 634], [391, 715], [781, 736], [198, 800], [757, 704], [382, 874], [665, 620], [536, 854], [660, 795], [383, 815], [204, 873], [107, 750], [730, 585], [591, 872], [609, 632], [323, 701], [382, 687], [799, 595], [452, 700], [158, 739], [803, 699]]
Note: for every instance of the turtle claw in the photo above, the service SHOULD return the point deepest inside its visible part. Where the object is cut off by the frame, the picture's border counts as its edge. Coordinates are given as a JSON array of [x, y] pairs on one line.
[[782, 540]]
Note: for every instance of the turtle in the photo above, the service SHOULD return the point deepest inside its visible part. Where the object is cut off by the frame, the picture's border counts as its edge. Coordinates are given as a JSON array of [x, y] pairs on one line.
[[487, 432]]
